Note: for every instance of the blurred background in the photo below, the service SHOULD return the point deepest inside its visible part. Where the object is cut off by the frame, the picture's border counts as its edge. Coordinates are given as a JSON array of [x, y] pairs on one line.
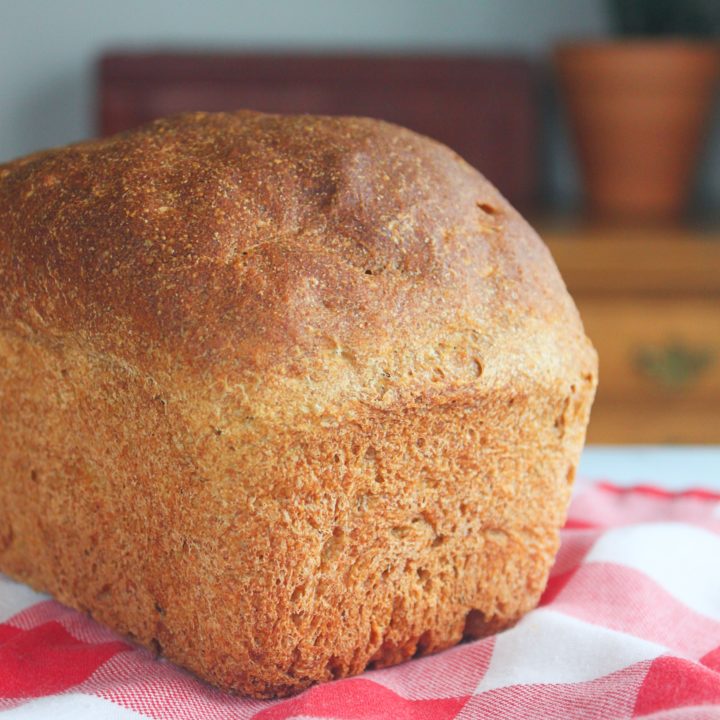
[[599, 119]]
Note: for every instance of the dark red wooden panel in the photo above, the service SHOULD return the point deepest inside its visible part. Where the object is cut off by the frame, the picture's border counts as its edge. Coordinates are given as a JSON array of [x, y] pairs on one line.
[[485, 108]]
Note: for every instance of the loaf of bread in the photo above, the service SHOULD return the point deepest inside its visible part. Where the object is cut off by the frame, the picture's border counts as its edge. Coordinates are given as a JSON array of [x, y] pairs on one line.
[[281, 398]]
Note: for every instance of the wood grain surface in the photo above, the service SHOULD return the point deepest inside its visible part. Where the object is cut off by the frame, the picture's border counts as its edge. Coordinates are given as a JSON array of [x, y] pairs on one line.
[[650, 301]]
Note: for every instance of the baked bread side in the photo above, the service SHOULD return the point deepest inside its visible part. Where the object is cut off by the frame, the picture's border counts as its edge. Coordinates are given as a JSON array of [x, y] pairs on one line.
[[281, 397]]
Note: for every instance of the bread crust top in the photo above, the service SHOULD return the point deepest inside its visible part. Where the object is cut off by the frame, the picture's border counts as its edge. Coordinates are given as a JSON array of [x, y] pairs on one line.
[[344, 258]]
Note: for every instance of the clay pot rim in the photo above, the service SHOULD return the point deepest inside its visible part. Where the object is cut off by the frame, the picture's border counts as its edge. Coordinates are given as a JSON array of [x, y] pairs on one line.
[[639, 45]]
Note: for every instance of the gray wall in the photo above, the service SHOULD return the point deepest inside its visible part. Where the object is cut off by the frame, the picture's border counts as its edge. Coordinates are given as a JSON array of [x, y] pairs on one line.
[[48, 49]]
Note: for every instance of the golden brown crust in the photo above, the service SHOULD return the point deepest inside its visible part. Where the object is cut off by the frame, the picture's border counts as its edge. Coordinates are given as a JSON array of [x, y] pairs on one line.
[[281, 396]]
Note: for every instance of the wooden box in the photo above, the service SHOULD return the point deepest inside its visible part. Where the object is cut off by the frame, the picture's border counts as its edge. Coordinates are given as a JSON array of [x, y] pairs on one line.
[[650, 301]]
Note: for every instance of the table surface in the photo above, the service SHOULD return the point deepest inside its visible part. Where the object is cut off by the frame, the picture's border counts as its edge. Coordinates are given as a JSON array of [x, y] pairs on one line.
[[673, 467]]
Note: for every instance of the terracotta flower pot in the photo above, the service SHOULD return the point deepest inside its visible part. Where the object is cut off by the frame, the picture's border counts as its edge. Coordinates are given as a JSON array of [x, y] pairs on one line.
[[638, 111]]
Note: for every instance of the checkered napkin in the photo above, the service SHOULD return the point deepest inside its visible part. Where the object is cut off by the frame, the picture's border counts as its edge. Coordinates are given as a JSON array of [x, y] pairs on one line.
[[628, 627]]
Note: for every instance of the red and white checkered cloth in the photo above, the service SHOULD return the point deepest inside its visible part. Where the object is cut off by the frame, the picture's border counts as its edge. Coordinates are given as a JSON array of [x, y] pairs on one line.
[[628, 627]]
